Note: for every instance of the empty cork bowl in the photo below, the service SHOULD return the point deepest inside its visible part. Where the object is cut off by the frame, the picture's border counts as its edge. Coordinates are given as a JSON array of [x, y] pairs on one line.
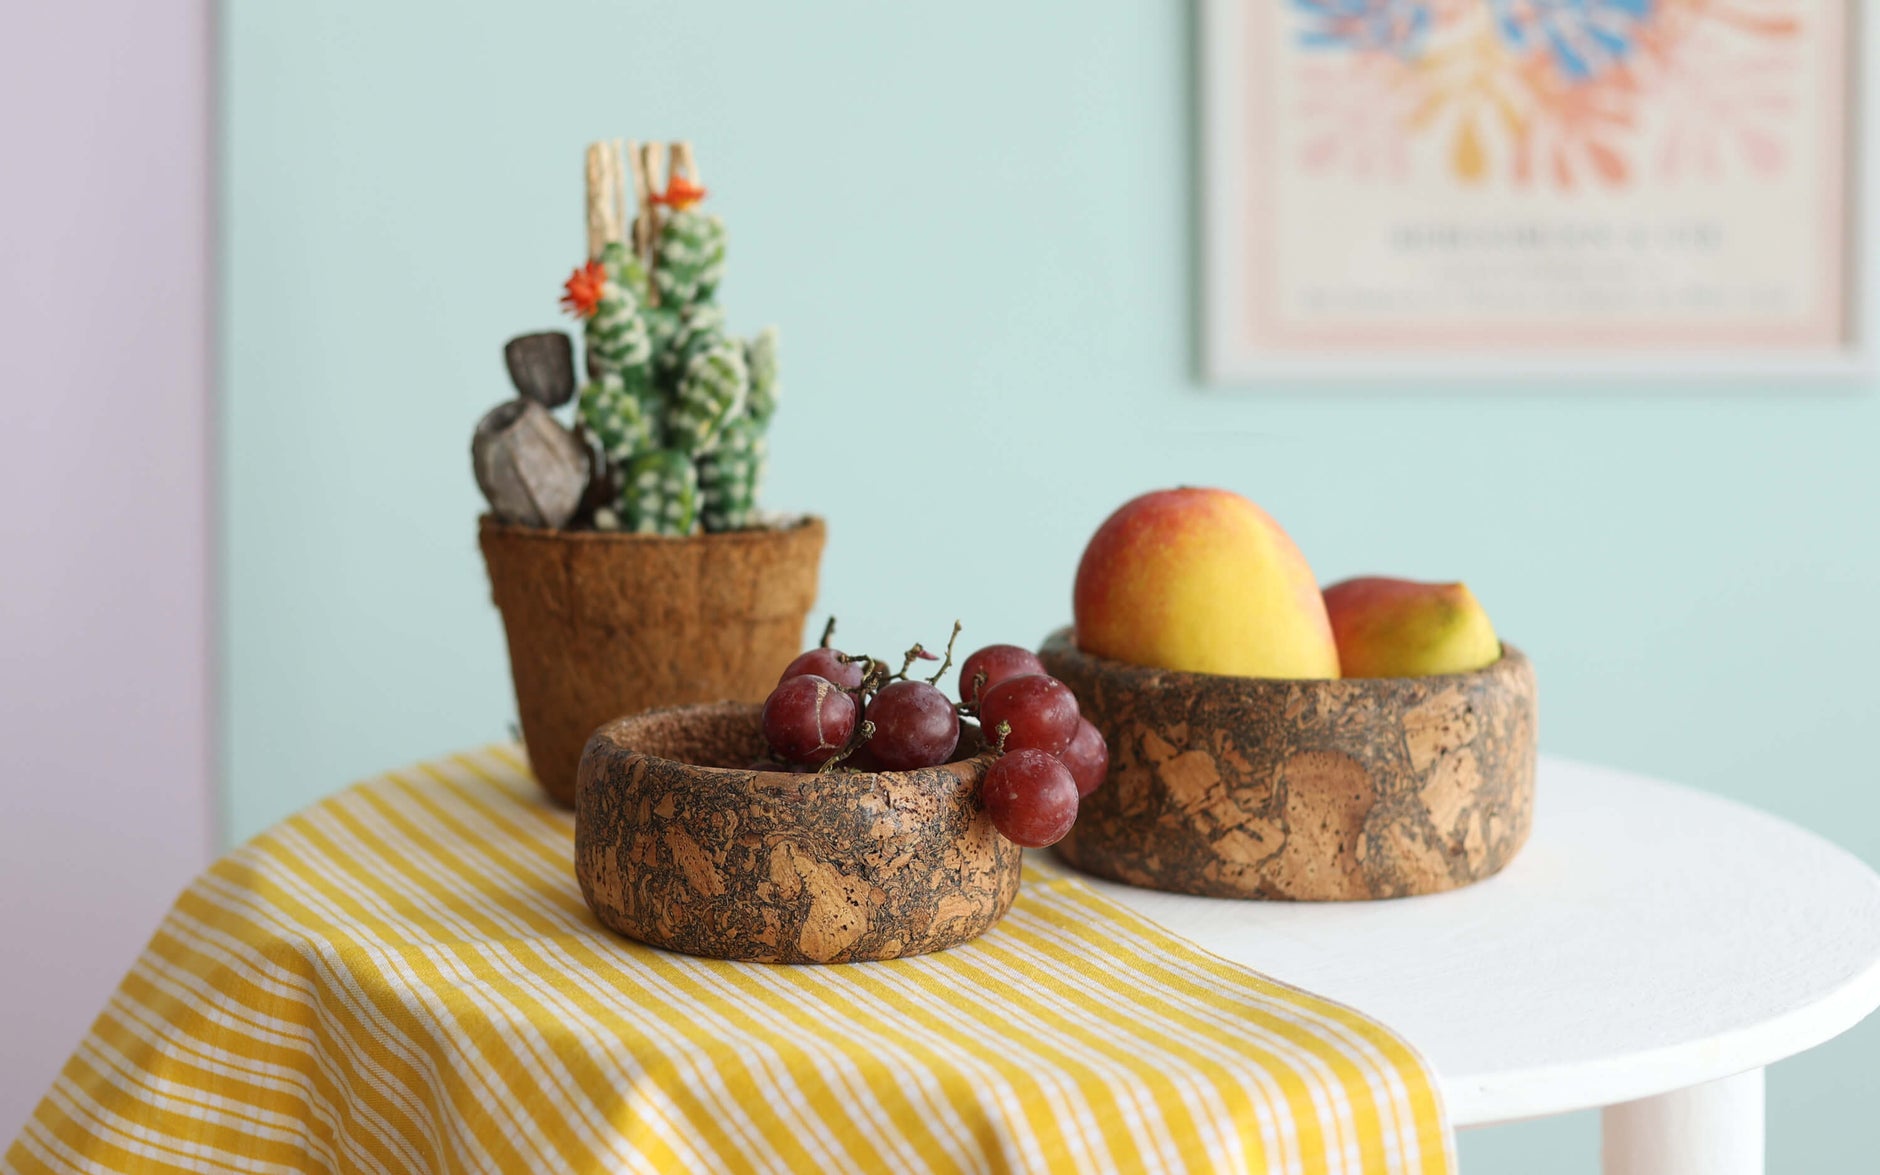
[[601, 624], [680, 845], [1303, 790]]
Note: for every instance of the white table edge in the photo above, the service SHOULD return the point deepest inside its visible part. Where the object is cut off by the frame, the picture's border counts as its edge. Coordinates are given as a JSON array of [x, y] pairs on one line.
[[1496, 1098], [1629, 1079]]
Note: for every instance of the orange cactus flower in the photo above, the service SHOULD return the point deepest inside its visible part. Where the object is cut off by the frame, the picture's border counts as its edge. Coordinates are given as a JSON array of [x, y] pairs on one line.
[[680, 194], [584, 289]]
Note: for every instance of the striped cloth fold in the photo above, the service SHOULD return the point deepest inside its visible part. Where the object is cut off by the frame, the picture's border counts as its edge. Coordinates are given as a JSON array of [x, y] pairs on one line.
[[403, 978]]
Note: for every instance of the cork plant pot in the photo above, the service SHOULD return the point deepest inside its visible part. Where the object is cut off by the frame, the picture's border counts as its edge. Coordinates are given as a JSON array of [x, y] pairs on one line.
[[602, 624], [680, 845], [1303, 790]]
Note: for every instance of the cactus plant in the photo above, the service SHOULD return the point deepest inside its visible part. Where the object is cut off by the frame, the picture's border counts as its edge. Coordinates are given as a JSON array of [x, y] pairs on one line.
[[679, 406]]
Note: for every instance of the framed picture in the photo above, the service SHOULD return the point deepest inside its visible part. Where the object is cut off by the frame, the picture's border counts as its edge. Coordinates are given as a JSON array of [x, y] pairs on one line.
[[1659, 187]]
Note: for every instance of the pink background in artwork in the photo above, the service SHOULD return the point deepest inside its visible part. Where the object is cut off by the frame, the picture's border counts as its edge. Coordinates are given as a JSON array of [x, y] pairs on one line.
[[106, 806], [1266, 329]]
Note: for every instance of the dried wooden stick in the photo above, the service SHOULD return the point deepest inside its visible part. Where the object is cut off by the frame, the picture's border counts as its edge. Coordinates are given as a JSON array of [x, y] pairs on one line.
[[683, 160], [606, 203], [642, 197], [653, 157], [618, 180], [596, 193], [648, 181]]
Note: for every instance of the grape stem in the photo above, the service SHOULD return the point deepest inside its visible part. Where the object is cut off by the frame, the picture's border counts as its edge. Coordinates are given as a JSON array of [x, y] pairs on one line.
[[829, 632], [1004, 731], [864, 731], [948, 663], [869, 665], [917, 653], [969, 699], [874, 676]]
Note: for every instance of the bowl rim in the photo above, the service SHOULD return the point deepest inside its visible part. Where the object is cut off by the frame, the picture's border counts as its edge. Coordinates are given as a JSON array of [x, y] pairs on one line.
[[960, 770], [1062, 641], [488, 523]]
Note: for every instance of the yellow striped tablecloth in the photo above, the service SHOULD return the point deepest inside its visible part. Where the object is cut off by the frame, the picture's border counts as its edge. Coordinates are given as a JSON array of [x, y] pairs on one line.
[[403, 978]]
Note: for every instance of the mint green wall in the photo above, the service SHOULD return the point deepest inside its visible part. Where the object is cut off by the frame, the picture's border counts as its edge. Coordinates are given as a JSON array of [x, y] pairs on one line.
[[973, 224]]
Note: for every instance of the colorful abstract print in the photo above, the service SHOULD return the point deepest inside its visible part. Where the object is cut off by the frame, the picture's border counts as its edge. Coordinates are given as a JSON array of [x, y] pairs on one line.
[[1553, 92]]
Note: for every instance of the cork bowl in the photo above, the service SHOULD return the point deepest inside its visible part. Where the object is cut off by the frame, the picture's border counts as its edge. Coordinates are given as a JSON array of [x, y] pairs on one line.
[[679, 845], [1303, 790]]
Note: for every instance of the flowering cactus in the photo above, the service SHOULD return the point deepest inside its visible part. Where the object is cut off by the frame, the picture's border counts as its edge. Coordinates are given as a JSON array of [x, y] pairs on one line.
[[678, 406]]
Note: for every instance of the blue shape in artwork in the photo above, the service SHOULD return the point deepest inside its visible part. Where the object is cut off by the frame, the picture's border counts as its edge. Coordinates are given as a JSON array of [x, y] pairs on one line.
[[1390, 26], [1584, 37]]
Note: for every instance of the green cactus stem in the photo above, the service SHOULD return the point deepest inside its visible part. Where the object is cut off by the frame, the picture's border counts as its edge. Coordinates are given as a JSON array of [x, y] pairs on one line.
[[618, 419], [617, 338], [682, 334], [729, 477], [760, 360], [690, 260], [617, 403], [711, 394], [678, 405], [659, 493]]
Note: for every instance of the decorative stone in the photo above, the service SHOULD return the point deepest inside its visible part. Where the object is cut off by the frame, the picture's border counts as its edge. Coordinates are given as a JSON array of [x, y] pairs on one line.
[[542, 367], [602, 624], [680, 845], [1304, 790], [531, 469]]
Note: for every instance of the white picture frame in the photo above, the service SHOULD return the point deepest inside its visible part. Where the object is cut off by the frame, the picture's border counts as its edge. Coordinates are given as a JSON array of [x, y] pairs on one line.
[[1229, 356]]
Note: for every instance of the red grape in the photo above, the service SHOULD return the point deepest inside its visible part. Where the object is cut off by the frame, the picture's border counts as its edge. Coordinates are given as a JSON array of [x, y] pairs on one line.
[[1031, 798], [997, 662], [915, 726], [807, 719], [827, 664], [1041, 710], [1088, 757]]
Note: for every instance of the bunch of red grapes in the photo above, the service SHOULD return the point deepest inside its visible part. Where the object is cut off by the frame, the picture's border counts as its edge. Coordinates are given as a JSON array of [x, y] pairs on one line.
[[832, 711]]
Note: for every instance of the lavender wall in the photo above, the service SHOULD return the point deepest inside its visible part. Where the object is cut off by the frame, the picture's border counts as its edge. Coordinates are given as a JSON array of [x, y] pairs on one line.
[[105, 261]]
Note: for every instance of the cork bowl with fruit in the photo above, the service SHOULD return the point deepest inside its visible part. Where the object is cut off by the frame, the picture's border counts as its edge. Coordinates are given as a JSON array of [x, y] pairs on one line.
[[1272, 740], [859, 814]]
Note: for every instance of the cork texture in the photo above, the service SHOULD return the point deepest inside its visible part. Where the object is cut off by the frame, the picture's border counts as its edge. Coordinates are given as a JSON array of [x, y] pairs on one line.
[[605, 624], [1303, 790], [678, 845]]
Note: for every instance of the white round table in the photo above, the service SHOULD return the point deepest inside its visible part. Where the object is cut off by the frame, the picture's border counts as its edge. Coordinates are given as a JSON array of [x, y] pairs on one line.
[[1649, 951]]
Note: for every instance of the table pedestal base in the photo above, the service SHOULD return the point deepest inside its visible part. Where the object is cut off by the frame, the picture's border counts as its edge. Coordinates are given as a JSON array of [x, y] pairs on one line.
[[1710, 1129]]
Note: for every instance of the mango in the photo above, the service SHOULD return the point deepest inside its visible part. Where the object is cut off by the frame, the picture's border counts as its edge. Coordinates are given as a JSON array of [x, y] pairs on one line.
[[1404, 628], [1203, 581]]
